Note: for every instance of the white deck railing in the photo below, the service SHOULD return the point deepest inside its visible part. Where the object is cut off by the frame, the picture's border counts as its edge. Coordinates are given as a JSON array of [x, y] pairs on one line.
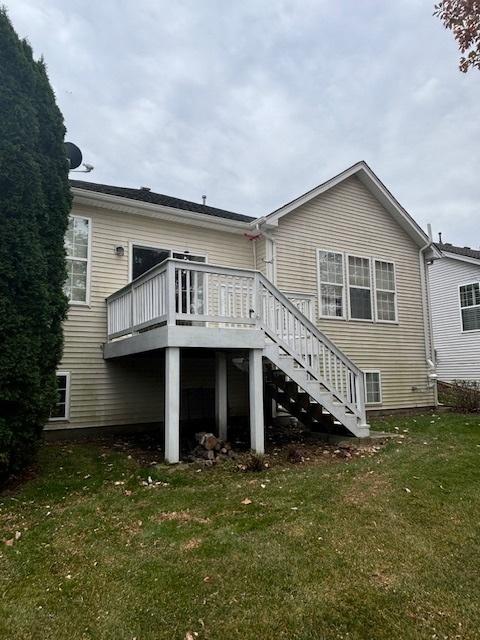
[[180, 291], [198, 294]]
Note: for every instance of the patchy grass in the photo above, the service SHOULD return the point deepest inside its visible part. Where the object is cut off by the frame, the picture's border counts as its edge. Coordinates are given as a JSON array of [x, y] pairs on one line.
[[380, 546]]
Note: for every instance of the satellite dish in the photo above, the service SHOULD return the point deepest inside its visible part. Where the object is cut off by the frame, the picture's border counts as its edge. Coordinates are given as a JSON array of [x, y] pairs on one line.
[[74, 155]]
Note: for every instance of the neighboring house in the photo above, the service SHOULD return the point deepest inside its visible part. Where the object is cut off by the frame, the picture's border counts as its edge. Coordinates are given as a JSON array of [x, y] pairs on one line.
[[324, 298], [455, 304]]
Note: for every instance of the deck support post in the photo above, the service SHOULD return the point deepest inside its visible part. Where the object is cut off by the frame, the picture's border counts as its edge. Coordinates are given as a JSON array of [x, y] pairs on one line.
[[221, 394], [172, 404], [255, 377]]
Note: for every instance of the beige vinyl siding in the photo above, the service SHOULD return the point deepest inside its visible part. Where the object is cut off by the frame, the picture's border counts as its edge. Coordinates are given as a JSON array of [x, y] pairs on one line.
[[130, 390], [349, 219]]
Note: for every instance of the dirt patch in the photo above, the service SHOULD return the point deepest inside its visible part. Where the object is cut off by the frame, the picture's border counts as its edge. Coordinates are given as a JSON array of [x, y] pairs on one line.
[[192, 544], [383, 579], [366, 487], [182, 517]]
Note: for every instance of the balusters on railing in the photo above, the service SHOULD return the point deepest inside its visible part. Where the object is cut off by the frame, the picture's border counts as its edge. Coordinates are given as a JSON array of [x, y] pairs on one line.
[[297, 335]]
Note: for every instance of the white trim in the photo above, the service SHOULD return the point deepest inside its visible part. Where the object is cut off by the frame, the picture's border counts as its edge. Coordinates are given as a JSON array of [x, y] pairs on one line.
[[154, 245], [368, 178], [347, 271], [66, 418], [270, 259], [395, 291], [319, 285], [457, 256], [88, 260], [365, 371], [473, 306]]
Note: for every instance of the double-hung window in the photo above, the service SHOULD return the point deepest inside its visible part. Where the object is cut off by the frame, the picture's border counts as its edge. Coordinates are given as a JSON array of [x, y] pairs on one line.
[[77, 246], [359, 286], [331, 284], [385, 291], [373, 387], [61, 409], [470, 306]]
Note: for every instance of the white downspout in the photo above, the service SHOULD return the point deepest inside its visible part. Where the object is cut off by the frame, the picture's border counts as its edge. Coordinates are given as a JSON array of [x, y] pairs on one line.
[[269, 237], [427, 319]]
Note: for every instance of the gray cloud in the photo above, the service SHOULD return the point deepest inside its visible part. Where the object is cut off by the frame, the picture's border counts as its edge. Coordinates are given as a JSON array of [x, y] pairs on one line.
[[255, 102]]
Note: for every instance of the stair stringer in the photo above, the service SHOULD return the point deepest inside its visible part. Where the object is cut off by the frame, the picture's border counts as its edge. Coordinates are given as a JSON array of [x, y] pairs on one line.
[[317, 392]]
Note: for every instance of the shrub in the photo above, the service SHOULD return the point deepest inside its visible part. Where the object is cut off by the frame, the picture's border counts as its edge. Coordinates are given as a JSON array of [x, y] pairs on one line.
[[294, 455], [255, 462], [461, 395], [34, 205]]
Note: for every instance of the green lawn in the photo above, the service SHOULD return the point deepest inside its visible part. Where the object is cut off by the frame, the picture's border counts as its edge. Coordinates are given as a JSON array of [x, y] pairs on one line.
[[381, 546]]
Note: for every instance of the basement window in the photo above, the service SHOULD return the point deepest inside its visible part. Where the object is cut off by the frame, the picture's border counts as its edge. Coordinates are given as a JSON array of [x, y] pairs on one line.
[[470, 306], [373, 387], [61, 409]]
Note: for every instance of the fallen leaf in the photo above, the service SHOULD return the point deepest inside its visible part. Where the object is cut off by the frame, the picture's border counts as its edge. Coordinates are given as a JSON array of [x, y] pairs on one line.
[[9, 543], [246, 501], [407, 490]]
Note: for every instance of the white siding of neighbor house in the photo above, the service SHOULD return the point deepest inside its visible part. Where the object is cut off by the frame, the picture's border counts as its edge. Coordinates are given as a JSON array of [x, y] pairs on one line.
[[347, 218], [130, 390], [458, 352]]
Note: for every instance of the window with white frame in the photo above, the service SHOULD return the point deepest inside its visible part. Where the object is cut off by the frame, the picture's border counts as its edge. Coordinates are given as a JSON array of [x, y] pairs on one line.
[[470, 306], [359, 287], [373, 387], [60, 411], [77, 245], [385, 291], [331, 283]]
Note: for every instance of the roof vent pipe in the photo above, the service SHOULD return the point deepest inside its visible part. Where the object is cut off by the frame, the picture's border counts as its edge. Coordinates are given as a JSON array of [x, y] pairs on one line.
[[440, 237], [204, 199]]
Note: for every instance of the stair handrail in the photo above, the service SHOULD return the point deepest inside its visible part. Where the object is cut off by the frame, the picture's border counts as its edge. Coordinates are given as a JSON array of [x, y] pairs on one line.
[[359, 403], [281, 297]]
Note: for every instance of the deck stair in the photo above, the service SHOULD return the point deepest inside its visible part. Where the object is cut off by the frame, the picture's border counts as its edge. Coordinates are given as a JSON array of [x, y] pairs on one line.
[[304, 370]]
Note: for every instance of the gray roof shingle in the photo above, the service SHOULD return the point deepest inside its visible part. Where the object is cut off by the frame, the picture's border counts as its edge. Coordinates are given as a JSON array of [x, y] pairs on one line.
[[462, 251], [145, 195]]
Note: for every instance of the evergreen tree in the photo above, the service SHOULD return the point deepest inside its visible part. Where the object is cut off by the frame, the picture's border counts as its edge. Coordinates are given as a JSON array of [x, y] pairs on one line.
[[34, 205]]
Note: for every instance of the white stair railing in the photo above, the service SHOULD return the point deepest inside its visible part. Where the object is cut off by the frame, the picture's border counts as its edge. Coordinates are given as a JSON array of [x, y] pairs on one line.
[[310, 348]]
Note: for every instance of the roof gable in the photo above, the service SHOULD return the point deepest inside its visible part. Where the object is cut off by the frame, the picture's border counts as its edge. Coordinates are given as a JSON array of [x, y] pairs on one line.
[[374, 185]]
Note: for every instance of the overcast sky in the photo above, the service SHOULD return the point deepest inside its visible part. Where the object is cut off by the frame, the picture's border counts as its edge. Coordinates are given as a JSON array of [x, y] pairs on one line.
[[253, 102]]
